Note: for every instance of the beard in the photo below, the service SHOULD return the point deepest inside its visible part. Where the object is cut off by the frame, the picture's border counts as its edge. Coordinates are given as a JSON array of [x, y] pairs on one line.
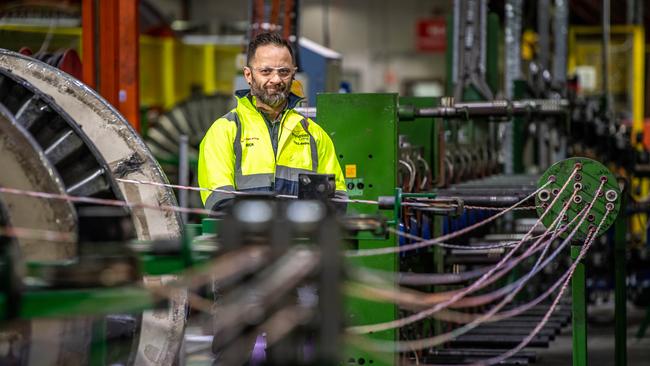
[[273, 98]]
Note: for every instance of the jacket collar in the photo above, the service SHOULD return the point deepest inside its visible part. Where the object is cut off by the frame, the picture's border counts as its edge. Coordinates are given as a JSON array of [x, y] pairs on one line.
[[293, 99]]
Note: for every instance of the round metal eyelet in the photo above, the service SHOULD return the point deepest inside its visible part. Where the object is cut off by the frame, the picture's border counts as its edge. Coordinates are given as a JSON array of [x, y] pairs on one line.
[[544, 195], [611, 195]]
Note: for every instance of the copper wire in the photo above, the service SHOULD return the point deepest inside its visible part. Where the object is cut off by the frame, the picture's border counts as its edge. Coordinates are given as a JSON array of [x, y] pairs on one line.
[[409, 298], [104, 201], [440, 239], [442, 338], [590, 240], [426, 313]]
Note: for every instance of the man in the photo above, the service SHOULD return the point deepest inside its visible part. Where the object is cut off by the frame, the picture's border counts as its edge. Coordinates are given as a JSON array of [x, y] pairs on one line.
[[263, 144]]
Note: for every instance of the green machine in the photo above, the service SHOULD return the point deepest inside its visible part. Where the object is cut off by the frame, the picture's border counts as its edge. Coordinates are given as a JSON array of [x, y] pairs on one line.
[[366, 130]]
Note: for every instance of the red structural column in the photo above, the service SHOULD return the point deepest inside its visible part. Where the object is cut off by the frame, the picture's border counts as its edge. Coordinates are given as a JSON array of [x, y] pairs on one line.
[[88, 36], [111, 53], [129, 65]]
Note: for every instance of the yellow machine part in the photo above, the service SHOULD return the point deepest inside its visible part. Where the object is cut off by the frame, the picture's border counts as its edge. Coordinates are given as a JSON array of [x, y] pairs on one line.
[[626, 75], [170, 70]]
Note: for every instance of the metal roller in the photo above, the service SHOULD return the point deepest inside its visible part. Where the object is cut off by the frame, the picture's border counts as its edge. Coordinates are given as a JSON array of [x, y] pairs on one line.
[[104, 131], [68, 139]]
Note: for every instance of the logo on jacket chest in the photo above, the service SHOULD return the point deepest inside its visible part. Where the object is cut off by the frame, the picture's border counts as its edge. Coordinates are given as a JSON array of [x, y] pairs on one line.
[[300, 138]]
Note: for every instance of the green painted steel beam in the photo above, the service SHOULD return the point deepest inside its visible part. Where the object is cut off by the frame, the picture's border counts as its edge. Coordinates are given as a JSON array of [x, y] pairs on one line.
[[98, 346], [620, 290], [579, 310], [82, 302], [154, 265], [363, 128]]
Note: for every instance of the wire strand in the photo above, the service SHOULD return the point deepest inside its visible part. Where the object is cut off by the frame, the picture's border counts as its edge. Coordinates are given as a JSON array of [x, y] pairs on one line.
[[398, 323], [105, 201], [540, 325], [442, 338], [440, 239]]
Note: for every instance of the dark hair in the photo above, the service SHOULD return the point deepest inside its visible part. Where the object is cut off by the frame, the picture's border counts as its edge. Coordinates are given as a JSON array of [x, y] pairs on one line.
[[264, 39]]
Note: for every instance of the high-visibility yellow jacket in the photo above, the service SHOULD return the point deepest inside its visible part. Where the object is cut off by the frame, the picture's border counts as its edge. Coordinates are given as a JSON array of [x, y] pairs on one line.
[[236, 153]]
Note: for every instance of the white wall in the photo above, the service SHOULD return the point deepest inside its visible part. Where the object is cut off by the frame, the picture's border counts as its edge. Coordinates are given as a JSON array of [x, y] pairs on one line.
[[376, 37]]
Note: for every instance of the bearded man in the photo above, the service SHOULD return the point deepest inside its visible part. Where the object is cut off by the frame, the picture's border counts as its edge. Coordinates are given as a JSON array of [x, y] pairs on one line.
[[263, 143]]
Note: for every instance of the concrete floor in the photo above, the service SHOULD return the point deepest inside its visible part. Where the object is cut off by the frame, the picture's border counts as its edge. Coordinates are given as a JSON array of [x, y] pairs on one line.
[[600, 341]]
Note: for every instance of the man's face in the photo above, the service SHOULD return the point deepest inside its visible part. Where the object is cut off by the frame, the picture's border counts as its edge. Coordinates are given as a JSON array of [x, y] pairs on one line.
[[270, 74]]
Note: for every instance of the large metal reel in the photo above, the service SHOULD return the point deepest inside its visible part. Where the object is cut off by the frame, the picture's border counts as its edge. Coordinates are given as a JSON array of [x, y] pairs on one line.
[[30, 170], [89, 144]]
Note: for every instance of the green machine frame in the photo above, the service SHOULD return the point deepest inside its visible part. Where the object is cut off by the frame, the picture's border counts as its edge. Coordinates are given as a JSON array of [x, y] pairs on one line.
[[365, 130]]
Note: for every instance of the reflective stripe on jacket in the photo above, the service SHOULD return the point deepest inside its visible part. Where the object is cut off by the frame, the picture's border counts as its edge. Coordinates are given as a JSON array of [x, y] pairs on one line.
[[236, 153]]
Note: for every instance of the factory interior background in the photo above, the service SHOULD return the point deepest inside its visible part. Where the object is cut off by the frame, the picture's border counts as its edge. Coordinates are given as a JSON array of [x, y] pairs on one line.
[[445, 182]]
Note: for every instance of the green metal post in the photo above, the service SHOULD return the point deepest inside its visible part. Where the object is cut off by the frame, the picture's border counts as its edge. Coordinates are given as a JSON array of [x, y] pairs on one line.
[[98, 344], [620, 295], [368, 155], [191, 231], [210, 226], [579, 311]]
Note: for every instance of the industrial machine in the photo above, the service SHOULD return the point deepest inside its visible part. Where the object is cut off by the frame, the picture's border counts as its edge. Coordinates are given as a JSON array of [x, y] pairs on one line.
[[454, 248], [98, 271]]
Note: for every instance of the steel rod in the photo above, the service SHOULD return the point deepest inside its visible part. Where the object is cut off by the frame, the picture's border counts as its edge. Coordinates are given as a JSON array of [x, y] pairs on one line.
[[495, 108]]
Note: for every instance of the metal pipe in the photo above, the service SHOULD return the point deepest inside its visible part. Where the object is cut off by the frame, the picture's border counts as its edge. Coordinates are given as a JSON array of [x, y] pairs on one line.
[[427, 170], [411, 173], [543, 30], [512, 72], [490, 201], [605, 71], [561, 31], [495, 108]]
